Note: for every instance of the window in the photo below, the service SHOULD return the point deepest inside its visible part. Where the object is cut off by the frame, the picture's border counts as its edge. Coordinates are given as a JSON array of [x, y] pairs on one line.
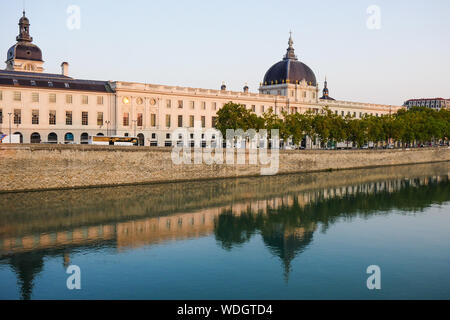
[[1, 95], [69, 118], [126, 119], [50, 84], [52, 117], [203, 121], [84, 118], [33, 83], [69, 99], [342, 113], [262, 109], [314, 95], [99, 118], [66, 85], [153, 135], [192, 103], [100, 100], [304, 94], [35, 97], [253, 108], [360, 114], [1, 116], [213, 121], [17, 96], [84, 99], [139, 120], [167, 135], [34, 116], [17, 116], [204, 105], [153, 119], [191, 121], [52, 98], [354, 114], [169, 104], [180, 104], [180, 121], [214, 106], [168, 120]]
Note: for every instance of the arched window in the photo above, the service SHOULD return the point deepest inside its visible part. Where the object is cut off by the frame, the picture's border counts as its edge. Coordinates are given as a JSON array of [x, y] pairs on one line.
[[68, 138], [141, 139], [84, 138], [21, 136], [52, 138], [35, 138], [100, 134]]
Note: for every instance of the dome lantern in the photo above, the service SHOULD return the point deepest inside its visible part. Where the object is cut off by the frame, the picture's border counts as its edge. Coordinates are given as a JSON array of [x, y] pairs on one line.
[[24, 55]]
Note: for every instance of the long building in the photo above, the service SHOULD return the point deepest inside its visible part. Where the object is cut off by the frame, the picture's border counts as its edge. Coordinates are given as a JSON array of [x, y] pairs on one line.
[[56, 108], [433, 103]]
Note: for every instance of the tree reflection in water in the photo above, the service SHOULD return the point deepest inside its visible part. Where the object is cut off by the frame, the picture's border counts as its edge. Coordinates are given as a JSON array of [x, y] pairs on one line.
[[285, 211]]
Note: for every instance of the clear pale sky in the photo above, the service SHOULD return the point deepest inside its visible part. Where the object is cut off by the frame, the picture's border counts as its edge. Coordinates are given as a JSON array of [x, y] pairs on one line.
[[202, 43]]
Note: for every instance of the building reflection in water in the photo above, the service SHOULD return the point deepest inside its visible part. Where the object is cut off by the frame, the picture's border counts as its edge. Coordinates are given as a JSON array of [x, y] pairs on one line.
[[285, 211]]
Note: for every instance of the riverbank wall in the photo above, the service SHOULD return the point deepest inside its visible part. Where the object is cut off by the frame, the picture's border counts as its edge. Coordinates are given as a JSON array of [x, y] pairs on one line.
[[53, 167]]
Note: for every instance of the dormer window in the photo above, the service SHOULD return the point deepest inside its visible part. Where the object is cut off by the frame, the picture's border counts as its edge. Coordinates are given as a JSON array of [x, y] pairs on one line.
[[50, 84], [33, 83], [16, 83], [66, 85]]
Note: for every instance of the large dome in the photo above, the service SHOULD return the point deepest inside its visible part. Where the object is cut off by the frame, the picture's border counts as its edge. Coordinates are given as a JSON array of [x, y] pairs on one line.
[[289, 70]]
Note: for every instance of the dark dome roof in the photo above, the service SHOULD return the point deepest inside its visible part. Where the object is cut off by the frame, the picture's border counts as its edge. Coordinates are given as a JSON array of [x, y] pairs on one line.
[[292, 70], [289, 69], [25, 51], [24, 19]]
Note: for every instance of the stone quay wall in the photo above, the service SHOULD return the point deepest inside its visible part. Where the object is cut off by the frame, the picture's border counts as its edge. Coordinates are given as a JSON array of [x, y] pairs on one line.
[[49, 167]]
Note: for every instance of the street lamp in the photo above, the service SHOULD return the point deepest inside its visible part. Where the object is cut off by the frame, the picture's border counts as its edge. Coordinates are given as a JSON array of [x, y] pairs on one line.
[[107, 127], [9, 114]]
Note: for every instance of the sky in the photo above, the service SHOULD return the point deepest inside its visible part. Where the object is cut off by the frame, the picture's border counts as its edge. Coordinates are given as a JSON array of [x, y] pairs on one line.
[[403, 53]]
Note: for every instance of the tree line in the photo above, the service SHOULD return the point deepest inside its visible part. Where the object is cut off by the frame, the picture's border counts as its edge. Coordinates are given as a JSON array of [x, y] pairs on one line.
[[413, 127]]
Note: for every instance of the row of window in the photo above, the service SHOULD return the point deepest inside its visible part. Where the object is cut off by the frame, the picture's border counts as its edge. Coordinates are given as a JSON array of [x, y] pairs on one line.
[[180, 105], [203, 105], [279, 93], [35, 97], [139, 121], [52, 117], [361, 114]]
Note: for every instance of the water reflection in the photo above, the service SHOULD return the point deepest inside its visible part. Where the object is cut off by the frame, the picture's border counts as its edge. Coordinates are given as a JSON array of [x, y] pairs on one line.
[[286, 211]]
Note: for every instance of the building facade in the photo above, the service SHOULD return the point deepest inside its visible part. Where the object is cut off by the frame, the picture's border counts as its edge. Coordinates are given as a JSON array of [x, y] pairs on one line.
[[433, 103], [56, 108]]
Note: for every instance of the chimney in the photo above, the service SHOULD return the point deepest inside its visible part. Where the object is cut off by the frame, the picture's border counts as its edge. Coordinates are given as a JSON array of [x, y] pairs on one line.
[[65, 69], [223, 87], [246, 88]]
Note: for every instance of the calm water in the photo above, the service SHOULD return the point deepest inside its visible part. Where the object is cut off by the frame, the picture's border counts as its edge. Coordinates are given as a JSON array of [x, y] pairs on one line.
[[308, 236]]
